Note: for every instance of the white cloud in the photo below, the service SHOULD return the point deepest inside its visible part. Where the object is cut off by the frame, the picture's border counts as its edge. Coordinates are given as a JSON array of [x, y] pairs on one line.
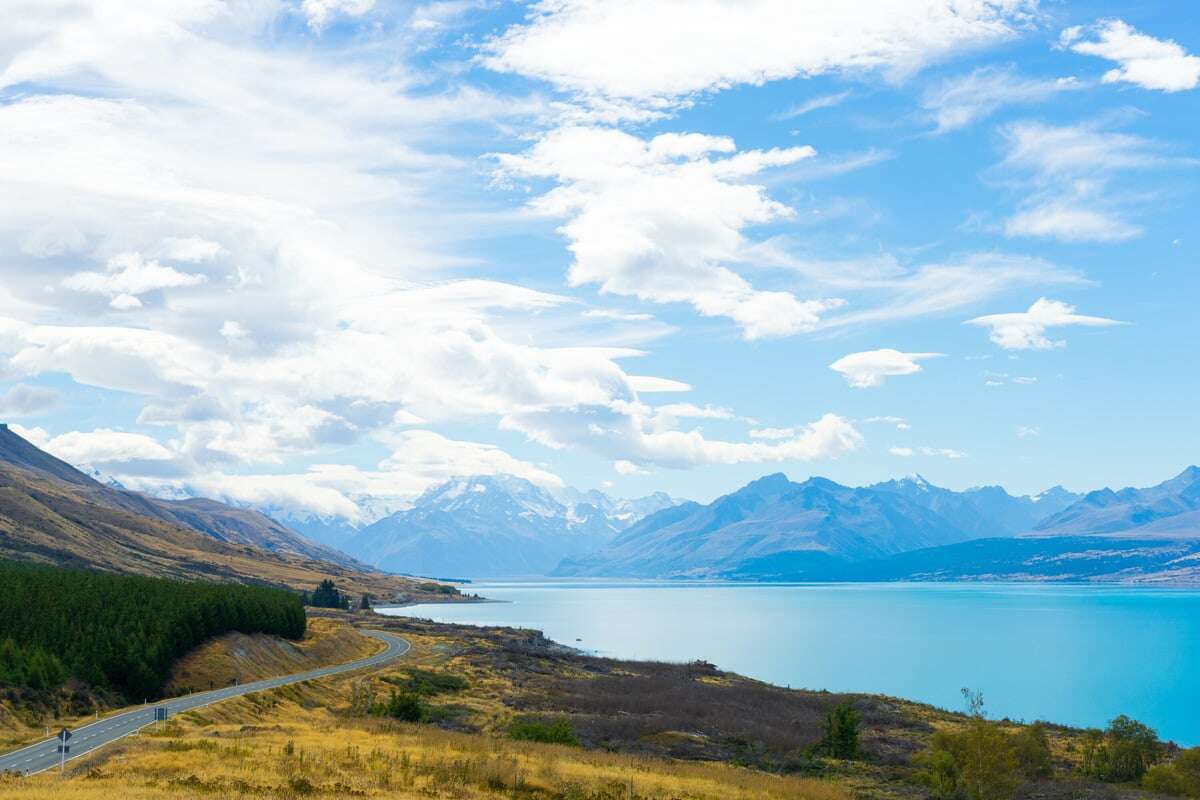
[[957, 102], [867, 369], [436, 458], [128, 275], [942, 452], [192, 249], [321, 12], [1027, 432], [900, 423], [813, 104], [1058, 219], [1026, 330], [116, 450], [772, 434], [647, 384], [1068, 170], [655, 53], [663, 220], [623, 467], [1143, 60], [888, 290], [22, 400]]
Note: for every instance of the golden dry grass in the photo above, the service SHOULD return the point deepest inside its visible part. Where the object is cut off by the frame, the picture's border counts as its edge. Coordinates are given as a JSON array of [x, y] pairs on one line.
[[249, 657], [298, 753], [306, 741]]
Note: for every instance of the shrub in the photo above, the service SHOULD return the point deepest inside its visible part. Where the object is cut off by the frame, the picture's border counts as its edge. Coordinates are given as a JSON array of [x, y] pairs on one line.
[[404, 706], [840, 739], [1032, 751], [1180, 777], [428, 683], [979, 762], [535, 730], [1123, 752]]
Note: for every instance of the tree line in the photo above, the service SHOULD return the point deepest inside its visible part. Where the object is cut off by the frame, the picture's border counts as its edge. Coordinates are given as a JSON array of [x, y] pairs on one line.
[[122, 632]]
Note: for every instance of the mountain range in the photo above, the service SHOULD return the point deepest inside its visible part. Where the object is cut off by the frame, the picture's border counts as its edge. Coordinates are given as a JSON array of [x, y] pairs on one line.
[[496, 526], [774, 529]]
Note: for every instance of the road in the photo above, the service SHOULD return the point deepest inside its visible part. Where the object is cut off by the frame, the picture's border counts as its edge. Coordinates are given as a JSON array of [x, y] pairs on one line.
[[44, 755]]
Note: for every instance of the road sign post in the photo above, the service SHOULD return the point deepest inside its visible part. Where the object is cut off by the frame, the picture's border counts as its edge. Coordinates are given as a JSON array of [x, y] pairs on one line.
[[160, 714], [63, 748]]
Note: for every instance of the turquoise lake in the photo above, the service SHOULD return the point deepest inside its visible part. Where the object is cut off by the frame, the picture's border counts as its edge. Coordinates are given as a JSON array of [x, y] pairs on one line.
[[1069, 654]]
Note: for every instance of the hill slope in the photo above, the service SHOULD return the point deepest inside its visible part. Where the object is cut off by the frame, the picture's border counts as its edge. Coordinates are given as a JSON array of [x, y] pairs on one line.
[[222, 522], [54, 514]]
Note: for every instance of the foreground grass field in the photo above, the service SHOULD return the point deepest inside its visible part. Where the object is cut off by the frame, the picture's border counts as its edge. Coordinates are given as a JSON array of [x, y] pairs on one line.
[[304, 741]]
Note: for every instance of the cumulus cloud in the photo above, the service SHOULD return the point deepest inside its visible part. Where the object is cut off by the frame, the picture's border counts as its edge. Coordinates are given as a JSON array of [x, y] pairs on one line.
[[321, 12], [1142, 60], [655, 53], [772, 434], [436, 458], [23, 400], [114, 451], [957, 102], [128, 275], [663, 220], [1026, 330], [867, 369]]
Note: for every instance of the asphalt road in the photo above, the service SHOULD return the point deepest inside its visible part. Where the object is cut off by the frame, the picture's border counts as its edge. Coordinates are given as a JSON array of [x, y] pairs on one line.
[[44, 755]]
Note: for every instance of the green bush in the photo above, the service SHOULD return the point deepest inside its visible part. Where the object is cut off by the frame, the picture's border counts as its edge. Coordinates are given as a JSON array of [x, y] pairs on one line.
[[1032, 750], [122, 632], [427, 683], [1121, 753], [979, 762], [1179, 777], [841, 732], [535, 730], [404, 706]]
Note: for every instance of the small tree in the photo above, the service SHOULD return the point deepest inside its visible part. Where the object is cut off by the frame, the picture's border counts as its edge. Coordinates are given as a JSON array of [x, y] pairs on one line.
[[978, 762], [1032, 749], [365, 603], [1123, 752], [841, 732]]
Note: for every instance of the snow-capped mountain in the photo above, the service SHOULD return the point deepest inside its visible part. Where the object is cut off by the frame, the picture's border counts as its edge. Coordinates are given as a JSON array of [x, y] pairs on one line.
[[496, 526]]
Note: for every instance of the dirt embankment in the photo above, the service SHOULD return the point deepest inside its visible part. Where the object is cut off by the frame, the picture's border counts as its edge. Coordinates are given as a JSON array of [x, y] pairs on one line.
[[250, 657]]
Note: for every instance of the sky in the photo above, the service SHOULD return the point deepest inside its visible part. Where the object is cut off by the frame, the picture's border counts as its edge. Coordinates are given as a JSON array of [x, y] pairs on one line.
[[313, 251]]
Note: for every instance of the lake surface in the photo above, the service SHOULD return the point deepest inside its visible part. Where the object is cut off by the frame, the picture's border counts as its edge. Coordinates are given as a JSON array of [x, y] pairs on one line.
[[1068, 654]]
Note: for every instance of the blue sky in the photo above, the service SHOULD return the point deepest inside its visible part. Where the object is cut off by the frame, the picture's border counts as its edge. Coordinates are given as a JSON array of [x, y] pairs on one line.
[[312, 252]]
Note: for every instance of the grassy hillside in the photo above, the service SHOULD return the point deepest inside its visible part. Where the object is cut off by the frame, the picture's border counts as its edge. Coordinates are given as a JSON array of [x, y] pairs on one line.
[[49, 519]]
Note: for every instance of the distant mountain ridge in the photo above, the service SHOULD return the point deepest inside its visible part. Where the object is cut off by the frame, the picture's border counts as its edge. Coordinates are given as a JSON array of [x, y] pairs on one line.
[[773, 529], [814, 521], [496, 526]]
